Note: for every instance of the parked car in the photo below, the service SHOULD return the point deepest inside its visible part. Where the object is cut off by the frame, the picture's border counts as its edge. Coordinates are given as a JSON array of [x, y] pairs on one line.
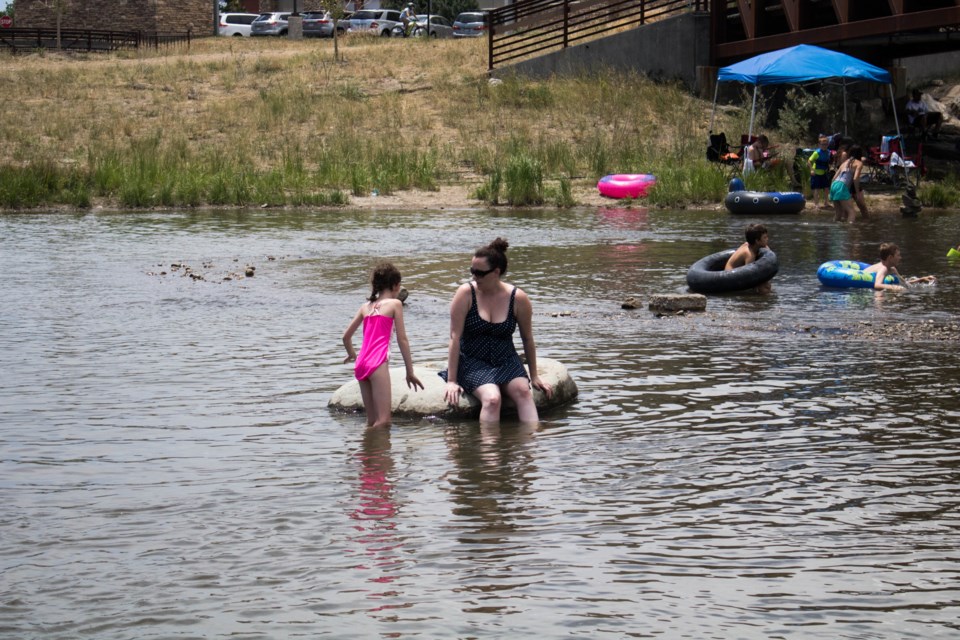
[[379, 22], [471, 24], [440, 27], [236, 24], [319, 24], [270, 24]]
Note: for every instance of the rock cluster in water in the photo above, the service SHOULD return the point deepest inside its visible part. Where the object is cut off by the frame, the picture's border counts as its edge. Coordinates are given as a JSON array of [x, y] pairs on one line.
[[207, 271], [921, 330]]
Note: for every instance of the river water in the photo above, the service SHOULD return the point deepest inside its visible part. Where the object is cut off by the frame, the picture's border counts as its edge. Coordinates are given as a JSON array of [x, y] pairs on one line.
[[170, 469]]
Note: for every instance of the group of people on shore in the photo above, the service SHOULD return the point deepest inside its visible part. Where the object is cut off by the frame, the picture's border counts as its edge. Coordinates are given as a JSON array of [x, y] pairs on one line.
[[837, 164], [834, 174], [845, 193]]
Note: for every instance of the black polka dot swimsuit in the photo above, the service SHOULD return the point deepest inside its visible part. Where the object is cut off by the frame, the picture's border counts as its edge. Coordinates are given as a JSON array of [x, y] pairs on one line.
[[487, 354]]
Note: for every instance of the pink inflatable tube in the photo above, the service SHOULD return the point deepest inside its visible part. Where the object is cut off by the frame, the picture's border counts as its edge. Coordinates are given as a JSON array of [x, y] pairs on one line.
[[631, 185]]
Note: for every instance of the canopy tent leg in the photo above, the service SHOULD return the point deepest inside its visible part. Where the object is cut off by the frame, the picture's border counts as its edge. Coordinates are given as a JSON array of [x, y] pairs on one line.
[[753, 111], [713, 111], [844, 106], [896, 121]]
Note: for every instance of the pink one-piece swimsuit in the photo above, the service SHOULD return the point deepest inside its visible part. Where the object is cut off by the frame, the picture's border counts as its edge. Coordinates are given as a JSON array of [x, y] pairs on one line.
[[375, 349]]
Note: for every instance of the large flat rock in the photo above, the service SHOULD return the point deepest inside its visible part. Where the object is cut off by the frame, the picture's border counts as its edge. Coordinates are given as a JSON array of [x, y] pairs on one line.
[[429, 401]]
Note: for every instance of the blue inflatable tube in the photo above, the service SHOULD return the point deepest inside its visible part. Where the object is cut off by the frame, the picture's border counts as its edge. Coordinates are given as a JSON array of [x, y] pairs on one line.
[[849, 273], [764, 202]]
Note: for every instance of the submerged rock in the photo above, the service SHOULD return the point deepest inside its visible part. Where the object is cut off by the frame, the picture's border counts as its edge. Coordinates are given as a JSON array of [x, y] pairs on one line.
[[429, 401], [674, 302]]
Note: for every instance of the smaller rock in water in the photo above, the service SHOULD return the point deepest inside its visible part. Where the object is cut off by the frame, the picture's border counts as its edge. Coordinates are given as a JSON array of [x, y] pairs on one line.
[[674, 302]]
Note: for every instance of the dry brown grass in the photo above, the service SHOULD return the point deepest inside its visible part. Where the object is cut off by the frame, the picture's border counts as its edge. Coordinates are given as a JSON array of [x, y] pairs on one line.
[[236, 93], [269, 104]]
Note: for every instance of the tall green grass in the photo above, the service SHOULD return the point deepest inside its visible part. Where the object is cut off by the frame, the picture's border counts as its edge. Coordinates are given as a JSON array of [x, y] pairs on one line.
[[151, 176], [942, 194]]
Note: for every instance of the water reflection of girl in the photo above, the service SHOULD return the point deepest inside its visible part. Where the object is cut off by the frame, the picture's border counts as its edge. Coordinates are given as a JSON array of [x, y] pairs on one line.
[[377, 507]]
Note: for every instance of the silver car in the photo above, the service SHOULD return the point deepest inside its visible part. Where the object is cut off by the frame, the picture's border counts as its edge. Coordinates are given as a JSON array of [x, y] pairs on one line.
[[379, 22], [440, 27], [270, 24], [319, 24], [471, 24]]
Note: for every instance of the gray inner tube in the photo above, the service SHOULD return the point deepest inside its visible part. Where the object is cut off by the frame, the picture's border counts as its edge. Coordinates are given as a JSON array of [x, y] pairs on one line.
[[707, 274]]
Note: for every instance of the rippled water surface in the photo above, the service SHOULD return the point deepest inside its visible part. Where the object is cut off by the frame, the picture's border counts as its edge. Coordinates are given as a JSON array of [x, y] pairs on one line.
[[169, 467]]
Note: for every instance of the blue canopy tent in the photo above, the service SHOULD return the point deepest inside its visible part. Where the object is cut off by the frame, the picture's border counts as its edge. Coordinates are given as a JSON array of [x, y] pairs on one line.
[[798, 65]]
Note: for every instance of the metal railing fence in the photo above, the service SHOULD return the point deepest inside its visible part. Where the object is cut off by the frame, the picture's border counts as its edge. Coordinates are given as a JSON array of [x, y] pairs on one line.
[[94, 40], [534, 27]]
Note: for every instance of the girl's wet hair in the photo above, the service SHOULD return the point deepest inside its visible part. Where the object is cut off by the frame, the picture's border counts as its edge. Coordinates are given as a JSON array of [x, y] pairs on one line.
[[856, 152], [385, 276], [495, 253]]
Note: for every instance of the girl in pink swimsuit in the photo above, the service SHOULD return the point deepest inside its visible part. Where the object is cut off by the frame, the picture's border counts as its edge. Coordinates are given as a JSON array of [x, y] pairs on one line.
[[379, 315]]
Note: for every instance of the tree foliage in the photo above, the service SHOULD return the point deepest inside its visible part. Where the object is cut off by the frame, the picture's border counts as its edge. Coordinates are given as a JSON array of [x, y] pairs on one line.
[[231, 6]]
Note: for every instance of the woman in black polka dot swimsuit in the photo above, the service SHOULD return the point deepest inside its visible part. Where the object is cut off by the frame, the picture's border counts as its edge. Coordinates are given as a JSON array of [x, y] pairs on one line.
[[483, 316]]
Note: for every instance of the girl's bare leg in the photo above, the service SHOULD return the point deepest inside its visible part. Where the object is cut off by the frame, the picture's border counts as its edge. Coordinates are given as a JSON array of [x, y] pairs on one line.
[[378, 408], [851, 211], [366, 394]]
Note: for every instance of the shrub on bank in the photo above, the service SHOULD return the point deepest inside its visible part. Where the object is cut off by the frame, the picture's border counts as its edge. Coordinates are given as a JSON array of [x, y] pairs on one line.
[[941, 195]]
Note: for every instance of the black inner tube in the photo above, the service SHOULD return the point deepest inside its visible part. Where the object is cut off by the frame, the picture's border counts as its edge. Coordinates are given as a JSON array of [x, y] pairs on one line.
[[707, 274]]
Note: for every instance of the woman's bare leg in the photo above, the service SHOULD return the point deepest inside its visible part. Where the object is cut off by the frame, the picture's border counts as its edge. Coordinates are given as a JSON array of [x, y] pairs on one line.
[[519, 391], [490, 401]]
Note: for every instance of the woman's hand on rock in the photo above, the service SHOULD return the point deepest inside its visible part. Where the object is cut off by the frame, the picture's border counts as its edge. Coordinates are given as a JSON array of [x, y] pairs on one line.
[[452, 393], [543, 386]]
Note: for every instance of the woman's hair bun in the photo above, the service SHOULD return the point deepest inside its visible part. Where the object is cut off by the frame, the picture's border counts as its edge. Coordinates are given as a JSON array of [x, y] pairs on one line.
[[499, 245]]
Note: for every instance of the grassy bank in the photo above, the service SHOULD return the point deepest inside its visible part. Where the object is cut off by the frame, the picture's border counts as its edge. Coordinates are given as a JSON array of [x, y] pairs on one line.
[[279, 122]]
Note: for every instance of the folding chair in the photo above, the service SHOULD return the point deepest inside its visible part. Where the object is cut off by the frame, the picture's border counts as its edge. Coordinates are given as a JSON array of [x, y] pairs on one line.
[[719, 151], [889, 163]]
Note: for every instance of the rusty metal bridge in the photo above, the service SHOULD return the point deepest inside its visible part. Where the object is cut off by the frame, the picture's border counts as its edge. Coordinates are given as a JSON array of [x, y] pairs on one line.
[[739, 28], [742, 28]]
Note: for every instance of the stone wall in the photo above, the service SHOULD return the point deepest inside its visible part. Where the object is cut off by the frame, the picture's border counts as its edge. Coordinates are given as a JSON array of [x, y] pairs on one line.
[[165, 16]]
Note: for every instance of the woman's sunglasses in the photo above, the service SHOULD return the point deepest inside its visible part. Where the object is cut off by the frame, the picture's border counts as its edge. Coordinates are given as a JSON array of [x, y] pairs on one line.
[[477, 273]]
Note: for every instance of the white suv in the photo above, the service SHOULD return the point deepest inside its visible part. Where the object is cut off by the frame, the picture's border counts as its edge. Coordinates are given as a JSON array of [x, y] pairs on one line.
[[236, 24]]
